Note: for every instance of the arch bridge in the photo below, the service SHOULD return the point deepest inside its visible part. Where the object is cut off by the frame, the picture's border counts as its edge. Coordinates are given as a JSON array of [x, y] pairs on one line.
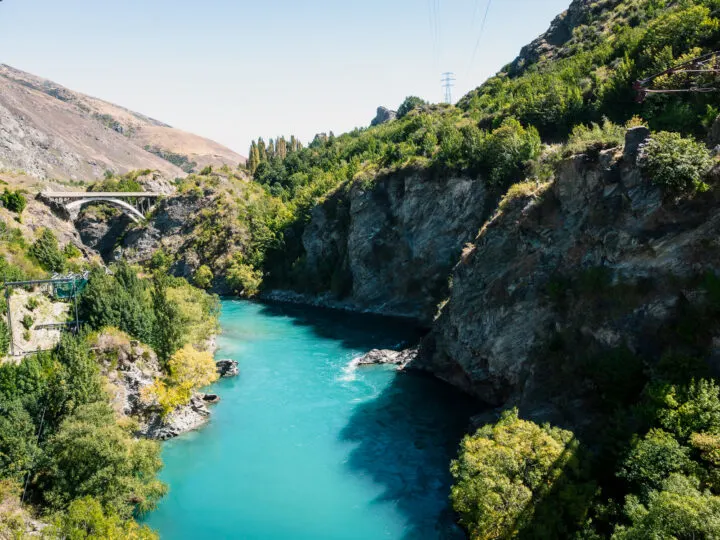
[[136, 205]]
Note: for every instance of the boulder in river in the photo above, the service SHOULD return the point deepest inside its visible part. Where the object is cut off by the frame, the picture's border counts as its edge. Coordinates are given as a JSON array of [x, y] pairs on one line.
[[387, 357], [210, 399], [227, 368]]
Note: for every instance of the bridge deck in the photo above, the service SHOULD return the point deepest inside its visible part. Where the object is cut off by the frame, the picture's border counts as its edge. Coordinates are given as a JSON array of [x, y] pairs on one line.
[[91, 194]]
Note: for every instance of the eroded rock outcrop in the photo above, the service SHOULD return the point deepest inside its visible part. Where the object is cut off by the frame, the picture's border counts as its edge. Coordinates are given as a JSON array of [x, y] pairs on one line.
[[599, 260]]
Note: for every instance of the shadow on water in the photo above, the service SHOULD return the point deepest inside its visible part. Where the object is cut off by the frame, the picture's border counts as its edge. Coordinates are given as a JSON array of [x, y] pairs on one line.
[[405, 440], [353, 330]]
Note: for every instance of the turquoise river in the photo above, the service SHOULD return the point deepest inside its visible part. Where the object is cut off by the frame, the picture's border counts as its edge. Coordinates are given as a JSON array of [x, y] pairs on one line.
[[303, 447]]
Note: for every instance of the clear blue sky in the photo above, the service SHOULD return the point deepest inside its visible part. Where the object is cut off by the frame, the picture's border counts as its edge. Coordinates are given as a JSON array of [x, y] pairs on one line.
[[232, 70]]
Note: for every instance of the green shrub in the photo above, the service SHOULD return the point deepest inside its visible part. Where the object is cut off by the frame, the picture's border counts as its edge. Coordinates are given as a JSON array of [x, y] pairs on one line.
[[677, 163], [206, 171], [32, 303], [595, 137], [203, 277], [14, 201], [27, 321], [46, 252], [71, 251], [243, 278], [4, 338], [160, 260], [86, 518]]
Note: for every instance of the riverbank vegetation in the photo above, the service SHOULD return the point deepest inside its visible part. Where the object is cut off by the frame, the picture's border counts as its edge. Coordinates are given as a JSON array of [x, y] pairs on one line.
[[65, 454]]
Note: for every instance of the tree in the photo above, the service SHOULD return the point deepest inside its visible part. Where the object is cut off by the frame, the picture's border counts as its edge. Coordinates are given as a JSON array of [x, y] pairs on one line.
[[508, 472], [653, 459], [46, 252], [203, 277], [677, 163], [190, 368], [410, 103], [281, 148], [14, 201], [18, 447], [253, 158], [86, 519], [677, 510], [91, 455], [119, 300], [262, 150], [80, 371], [168, 332]]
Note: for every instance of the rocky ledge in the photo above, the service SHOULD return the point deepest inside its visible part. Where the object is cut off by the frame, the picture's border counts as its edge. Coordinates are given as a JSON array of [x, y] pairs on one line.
[[387, 357], [227, 368], [181, 420]]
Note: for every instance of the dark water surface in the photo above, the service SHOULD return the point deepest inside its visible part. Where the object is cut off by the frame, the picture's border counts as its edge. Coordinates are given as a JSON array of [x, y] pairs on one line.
[[304, 447]]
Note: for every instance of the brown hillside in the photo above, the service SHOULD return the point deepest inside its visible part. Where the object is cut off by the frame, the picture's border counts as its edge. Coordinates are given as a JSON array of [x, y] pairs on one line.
[[52, 132]]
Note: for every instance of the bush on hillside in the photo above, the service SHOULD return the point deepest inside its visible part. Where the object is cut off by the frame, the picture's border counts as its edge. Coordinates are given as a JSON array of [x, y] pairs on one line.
[[14, 201], [203, 277], [595, 137], [46, 252], [411, 103], [679, 164], [87, 519], [243, 278]]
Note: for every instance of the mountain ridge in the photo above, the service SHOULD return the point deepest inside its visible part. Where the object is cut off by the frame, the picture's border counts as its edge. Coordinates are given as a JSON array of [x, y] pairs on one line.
[[51, 131]]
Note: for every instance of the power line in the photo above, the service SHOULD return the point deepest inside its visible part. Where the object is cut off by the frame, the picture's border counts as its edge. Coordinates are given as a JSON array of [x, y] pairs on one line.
[[482, 31], [448, 80]]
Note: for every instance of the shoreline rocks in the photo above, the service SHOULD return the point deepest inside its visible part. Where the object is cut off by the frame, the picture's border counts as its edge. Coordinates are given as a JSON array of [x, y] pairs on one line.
[[183, 419], [227, 368]]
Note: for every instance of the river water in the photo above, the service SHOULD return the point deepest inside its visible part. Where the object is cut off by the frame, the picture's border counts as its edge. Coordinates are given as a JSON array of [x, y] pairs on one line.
[[303, 447]]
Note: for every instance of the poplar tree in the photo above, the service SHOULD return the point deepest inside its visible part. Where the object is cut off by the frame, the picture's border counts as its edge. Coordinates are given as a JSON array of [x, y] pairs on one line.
[[281, 148]]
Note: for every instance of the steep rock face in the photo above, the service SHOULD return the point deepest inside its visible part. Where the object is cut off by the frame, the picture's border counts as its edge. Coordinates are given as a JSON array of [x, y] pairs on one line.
[[597, 259], [389, 247], [101, 233]]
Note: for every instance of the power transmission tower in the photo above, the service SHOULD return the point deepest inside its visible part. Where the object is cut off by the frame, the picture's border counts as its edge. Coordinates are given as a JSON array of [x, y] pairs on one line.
[[448, 80]]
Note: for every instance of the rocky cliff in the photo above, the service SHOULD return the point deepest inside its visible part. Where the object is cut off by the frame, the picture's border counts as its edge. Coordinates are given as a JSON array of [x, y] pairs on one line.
[[566, 288], [388, 246]]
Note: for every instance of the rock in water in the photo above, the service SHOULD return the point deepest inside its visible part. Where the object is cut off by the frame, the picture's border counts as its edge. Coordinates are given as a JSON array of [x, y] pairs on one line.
[[210, 399], [227, 368], [387, 357]]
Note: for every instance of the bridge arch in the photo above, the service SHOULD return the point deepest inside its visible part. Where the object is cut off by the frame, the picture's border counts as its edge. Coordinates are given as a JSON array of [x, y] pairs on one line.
[[129, 210]]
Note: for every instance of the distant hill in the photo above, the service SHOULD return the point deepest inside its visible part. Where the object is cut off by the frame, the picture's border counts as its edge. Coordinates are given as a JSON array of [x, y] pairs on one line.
[[53, 132]]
